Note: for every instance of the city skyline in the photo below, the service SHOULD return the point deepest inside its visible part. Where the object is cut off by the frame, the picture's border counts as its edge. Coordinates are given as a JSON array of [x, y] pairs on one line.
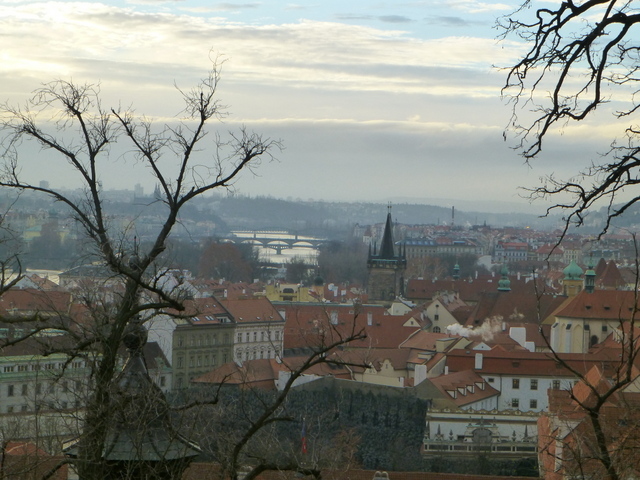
[[373, 102]]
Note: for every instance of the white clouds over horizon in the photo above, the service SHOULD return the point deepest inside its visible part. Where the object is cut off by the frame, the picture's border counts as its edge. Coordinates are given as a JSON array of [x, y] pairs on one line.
[[404, 99]]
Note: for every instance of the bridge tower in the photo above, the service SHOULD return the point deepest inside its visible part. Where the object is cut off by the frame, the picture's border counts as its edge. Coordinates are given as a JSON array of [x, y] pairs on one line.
[[386, 269]]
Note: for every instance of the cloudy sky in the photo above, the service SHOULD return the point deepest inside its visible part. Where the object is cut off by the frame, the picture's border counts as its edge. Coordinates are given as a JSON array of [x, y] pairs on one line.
[[373, 100]]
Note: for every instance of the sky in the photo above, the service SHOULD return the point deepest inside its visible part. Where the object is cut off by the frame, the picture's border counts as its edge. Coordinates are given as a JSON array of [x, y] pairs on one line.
[[373, 101]]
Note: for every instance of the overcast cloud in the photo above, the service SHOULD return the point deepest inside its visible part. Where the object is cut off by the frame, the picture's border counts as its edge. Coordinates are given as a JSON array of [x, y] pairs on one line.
[[379, 101]]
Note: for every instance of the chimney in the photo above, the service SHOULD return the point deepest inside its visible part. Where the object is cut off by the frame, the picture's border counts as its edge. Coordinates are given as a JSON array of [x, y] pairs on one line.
[[478, 365], [420, 374]]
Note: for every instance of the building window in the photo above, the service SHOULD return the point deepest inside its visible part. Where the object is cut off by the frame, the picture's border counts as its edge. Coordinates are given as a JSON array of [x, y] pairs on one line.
[[255, 336], [604, 328], [491, 379], [436, 329], [9, 390], [334, 318], [533, 403], [534, 384], [25, 389], [180, 341], [555, 384], [8, 369], [515, 383], [239, 338], [191, 359], [515, 402], [180, 362]]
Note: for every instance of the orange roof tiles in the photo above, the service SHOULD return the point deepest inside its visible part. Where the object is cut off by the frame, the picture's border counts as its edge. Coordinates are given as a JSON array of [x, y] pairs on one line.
[[611, 305], [464, 388]]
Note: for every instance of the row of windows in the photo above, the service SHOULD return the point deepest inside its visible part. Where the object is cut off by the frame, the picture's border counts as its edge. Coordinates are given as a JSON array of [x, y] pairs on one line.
[[533, 383], [42, 406], [25, 389], [262, 336], [252, 354], [205, 360], [515, 403], [200, 340], [34, 367]]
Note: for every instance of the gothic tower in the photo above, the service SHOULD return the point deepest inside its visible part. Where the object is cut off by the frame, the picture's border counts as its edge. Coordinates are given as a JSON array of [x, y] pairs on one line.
[[386, 269]]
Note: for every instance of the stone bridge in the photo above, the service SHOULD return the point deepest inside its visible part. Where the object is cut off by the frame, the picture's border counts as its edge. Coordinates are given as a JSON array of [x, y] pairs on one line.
[[275, 240]]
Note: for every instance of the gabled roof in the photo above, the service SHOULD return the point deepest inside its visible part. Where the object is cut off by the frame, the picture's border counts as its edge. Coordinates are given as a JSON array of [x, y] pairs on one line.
[[610, 277]]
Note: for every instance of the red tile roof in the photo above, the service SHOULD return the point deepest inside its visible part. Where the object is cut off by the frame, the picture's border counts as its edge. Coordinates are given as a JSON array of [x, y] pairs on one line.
[[314, 324], [500, 362], [464, 388], [613, 305]]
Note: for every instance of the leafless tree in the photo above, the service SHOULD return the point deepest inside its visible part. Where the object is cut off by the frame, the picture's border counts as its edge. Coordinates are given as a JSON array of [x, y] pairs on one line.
[[74, 130], [579, 56]]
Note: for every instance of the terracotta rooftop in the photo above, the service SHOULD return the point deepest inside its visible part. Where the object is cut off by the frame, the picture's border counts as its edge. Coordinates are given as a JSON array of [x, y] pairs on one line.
[[513, 307], [311, 324], [614, 305], [464, 387]]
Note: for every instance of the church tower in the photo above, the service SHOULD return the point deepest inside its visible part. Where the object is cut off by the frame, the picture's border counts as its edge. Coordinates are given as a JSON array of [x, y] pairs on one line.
[[386, 269]]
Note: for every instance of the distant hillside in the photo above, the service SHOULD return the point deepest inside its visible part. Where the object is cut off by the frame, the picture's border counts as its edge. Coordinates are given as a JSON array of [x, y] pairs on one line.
[[317, 216]]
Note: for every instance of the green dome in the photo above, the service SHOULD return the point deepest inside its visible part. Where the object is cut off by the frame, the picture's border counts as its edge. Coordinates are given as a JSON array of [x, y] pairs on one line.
[[504, 284], [572, 271]]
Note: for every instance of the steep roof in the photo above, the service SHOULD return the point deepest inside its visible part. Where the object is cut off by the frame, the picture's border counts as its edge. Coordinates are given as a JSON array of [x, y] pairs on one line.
[[464, 387], [613, 305], [610, 277]]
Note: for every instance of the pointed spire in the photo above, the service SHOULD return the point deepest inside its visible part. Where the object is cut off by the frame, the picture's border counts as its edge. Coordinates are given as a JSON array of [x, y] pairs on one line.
[[386, 249]]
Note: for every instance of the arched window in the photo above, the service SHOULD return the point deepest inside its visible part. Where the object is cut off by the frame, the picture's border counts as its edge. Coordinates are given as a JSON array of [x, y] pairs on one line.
[[436, 329], [593, 341]]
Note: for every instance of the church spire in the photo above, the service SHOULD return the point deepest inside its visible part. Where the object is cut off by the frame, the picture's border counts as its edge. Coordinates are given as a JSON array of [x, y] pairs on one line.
[[386, 249]]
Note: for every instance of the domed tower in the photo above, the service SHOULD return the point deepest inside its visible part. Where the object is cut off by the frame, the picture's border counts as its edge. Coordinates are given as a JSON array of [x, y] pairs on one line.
[[504, 284], [572, 282], [456, 271], [386, 269]]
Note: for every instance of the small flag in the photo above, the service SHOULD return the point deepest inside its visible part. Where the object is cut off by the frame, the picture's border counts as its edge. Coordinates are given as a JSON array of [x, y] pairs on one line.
[[304, 436]]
